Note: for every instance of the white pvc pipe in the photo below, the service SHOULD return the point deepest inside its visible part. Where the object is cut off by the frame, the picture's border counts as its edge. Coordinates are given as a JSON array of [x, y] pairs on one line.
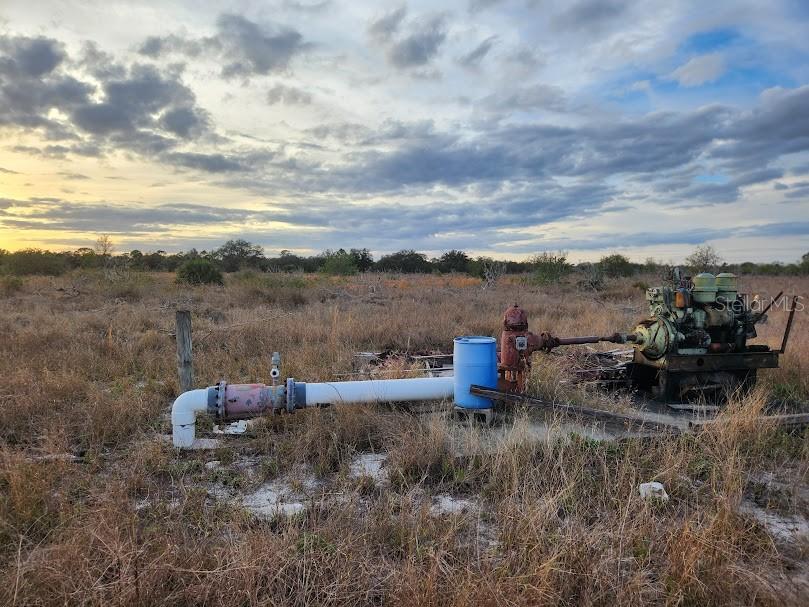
[[184, 416], [379, 390], [189, 404]]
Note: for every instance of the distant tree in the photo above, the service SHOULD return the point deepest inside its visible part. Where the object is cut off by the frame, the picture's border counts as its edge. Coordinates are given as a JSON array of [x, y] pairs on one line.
[[362, 259], [339, 263], [237, 254], [703, 259], [616, 265], [549, 267], [104, 246], [492, 271], [86, 257], [476, 267], [804, 265], [453, 261], [199, 271], [154, 261], [650, 264], [406, 261], [136, 260]]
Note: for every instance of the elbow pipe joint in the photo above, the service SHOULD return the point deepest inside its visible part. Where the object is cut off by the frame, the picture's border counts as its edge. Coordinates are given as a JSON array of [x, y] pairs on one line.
[[184, 413], [228, 402]]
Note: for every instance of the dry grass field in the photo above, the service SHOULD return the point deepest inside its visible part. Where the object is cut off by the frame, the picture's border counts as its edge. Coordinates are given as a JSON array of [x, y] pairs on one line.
[[383, 505]]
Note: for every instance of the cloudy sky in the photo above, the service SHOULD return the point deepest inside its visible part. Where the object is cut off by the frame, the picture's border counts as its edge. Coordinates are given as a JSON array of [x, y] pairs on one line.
[[502, 127]]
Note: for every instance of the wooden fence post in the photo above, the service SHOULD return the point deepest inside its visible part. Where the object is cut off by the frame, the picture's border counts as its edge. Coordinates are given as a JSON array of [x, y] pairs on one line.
[[185, 360]]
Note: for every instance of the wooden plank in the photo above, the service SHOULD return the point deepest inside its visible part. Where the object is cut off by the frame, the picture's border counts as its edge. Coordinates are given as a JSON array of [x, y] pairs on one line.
[[185, 360]]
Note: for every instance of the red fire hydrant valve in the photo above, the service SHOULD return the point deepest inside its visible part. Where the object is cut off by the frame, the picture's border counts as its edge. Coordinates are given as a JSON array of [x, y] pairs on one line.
[[517, 344]]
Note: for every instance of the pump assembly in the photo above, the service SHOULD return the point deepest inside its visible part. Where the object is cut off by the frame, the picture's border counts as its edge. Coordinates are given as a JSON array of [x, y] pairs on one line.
[[696, 338], [694, 341]]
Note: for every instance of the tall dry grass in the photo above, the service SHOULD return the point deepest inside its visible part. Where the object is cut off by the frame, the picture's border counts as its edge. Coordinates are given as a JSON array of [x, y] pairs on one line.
[[89, 370]]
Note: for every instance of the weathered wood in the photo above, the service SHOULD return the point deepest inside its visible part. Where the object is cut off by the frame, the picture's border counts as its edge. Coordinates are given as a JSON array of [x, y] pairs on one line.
[[599, 414], [185, 360], [794, 420]]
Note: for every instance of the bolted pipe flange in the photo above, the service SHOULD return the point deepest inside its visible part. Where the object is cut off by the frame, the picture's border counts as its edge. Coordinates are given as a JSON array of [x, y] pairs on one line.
[[290, 395], [220, 399]]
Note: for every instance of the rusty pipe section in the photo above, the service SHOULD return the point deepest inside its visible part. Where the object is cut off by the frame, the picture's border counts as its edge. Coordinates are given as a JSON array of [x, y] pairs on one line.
[[615, 338], [517, 344]]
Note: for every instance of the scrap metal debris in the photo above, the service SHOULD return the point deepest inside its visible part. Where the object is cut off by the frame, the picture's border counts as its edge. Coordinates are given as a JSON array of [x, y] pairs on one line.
[[608, 368], [429, 363]]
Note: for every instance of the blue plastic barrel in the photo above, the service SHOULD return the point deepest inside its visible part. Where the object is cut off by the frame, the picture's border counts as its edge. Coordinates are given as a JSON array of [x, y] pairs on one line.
[[474, 362]]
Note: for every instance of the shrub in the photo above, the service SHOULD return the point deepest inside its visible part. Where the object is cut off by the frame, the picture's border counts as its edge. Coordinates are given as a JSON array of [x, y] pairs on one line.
[[549, 267], [339, 264], [407, 262], [237, 254], [616, 265], [362, 259], [34, 261], [199, 272], [10, 285], [592, 276], [453, 261]]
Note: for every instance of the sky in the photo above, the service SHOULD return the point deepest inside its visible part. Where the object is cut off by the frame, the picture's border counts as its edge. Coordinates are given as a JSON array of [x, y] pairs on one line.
[[500, 127]]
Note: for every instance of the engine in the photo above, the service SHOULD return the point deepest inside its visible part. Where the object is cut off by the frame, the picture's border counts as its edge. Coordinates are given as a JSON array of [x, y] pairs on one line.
[[706, 315]]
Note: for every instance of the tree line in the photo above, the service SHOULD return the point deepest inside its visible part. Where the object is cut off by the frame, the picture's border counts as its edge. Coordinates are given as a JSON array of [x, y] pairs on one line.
[[239, 254]]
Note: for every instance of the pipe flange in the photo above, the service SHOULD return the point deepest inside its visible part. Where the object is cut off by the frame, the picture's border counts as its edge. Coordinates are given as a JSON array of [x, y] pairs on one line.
[[290, 395], [220, 400]]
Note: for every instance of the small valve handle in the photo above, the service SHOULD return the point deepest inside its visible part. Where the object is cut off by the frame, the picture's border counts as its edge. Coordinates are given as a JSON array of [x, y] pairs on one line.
[[275, 372]]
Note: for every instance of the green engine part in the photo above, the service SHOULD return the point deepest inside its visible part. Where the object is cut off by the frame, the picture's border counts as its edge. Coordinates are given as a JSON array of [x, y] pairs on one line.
[[726, 286], [655, 337], [705, 289]]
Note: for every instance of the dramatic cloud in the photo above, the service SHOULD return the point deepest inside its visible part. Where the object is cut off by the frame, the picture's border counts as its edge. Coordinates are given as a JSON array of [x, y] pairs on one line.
[[473, 58], [245, 48], [132, 102], [385, 27], [508, 126], [140, 108], [155, 46], [479, 5], [590, 15], [30, 57], [700, 70], [31, 84], [401, 225], [288, 95], [420, 45], [252, 49], [409, 45], [528, 99], [210, 163]]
